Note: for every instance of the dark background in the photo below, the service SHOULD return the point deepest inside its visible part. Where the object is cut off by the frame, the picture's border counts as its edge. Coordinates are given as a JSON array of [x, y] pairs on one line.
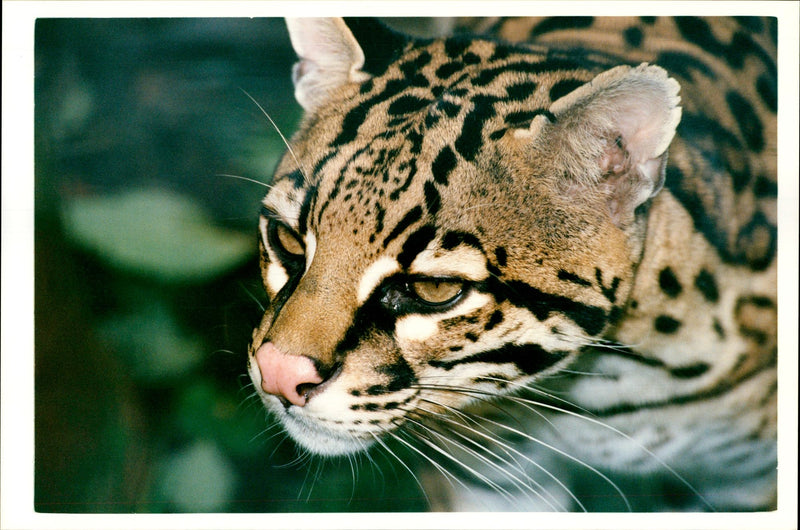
[[146, 283]]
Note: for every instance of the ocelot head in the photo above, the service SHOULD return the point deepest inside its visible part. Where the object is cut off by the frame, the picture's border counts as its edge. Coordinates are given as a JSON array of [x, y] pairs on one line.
[[453, 220]]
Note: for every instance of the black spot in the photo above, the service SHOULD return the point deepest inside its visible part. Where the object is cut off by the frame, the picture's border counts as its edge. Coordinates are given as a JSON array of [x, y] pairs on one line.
[[718, 329], [768, 90], [669, 283], [448, 69], [455, 238], [690, 371], [525, 67], [697, 31], [407, 105], [471, 58], [682, 64], [528, 358], [411, 68], [391, 405], [523, 118], [633, 36], [443, 164], [521, 91], [297, 178], [609, 292], [376, 390], [763, 302], [707, 285], [456, 46], [751, 24], [471, 337], [765, 187], [356, 116], [401, 375], [559, 23], [747, 119], [501, 256], [471, 139], [759, 239], [416, 243], [564, 87], [371, 407], [500, 52], [355, 393], [573, 278], [494, 319], [648, 20], [666, 324], [449, 108], [367, 86], [615, 315], [411, 217], [433, 200]]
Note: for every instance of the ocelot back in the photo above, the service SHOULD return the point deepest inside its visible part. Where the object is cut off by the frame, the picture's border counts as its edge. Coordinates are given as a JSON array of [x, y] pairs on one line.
[[543, 268]]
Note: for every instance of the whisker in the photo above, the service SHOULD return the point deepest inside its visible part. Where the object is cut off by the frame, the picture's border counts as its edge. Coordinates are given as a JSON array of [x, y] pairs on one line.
[[519, 483], [449, 476], [384, 446], [647, 451], [474, 472], [285, 142], [254, 181], [508, 449]]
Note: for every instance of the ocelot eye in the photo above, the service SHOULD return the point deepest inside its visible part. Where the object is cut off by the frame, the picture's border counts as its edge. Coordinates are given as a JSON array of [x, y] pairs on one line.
[[436, 291], [285, 241]]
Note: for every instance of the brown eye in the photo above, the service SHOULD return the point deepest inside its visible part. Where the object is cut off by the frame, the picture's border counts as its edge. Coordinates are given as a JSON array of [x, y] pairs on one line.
[[287, 240], [436, 292]]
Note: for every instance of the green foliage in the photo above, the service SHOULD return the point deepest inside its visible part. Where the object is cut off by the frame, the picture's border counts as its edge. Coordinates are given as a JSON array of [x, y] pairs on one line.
[[155, 233], [198, 478]]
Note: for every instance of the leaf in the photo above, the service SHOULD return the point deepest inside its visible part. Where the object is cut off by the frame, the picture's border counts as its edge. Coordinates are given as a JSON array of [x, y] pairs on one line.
[[155, 233], [198, 479], [152, 344]]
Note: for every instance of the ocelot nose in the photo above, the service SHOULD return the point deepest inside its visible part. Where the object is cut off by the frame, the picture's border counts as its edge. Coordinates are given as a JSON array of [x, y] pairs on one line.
[[290, 377]]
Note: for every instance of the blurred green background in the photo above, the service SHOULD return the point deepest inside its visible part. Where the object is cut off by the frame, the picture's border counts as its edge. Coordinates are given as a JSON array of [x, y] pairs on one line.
[[146, 281]]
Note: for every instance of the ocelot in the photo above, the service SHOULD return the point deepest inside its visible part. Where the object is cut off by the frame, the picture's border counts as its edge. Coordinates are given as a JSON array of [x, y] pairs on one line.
[[542, 259]]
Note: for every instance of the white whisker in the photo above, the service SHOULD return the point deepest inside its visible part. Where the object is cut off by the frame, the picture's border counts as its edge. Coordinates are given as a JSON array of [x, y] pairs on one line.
[[254, 181], [283, 138]]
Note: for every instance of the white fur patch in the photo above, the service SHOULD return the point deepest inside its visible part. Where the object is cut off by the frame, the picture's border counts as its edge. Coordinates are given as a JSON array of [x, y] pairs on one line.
[[462, 262], [374, 274], [416, 327], [276, 275], [311, 248]]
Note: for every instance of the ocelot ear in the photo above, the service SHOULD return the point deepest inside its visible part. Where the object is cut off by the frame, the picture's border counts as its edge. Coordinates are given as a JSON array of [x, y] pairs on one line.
[[329, 56], [612, 134]]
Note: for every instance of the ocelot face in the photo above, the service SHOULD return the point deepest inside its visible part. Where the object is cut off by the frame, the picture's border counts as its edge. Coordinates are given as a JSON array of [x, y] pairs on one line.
[[421, 249], [403, 285]]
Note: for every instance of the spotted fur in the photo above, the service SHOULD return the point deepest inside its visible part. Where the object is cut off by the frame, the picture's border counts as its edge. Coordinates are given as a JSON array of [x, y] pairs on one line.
[[600, 197]]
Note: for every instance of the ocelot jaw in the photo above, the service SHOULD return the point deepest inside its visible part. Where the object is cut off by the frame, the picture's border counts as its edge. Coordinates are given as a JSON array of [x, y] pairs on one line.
[[378, 386]]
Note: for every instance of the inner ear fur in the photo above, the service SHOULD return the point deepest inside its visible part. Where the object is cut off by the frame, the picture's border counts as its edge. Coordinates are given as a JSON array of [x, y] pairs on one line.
[[330, 57], [612, 134]]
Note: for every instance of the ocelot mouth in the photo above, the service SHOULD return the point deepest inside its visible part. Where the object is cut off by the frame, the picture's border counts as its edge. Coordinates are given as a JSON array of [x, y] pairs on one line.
[[319, 438]]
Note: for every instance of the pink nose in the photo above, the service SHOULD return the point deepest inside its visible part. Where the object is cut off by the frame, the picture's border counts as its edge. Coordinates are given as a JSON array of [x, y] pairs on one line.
[[288, 376]]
